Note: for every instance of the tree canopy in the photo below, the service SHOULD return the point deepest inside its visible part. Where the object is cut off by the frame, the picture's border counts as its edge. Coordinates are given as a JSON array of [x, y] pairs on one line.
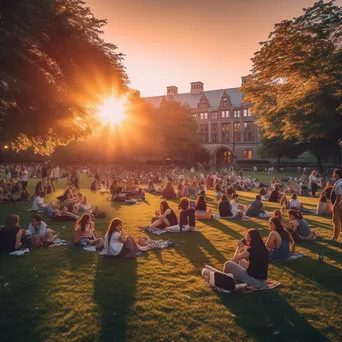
[[54, 68], [295, 87]]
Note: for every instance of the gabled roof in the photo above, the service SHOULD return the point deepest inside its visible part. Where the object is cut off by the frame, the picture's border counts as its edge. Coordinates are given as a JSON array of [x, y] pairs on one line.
[[213, 96]]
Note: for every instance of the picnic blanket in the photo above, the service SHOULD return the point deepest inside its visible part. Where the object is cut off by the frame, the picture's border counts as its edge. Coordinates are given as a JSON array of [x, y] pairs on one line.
[[271, 284], [159, 244], [58, 242], [153, 230]]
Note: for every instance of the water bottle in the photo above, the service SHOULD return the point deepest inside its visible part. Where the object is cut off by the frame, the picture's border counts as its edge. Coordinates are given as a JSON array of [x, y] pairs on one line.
[[321, 256]]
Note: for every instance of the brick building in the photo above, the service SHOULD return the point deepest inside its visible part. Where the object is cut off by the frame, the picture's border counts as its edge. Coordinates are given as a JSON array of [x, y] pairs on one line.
[[224, 120]]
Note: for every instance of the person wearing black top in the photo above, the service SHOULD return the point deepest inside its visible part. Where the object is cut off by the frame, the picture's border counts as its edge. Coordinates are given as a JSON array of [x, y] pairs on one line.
[[10, 235], [254, 271], [225, 209]]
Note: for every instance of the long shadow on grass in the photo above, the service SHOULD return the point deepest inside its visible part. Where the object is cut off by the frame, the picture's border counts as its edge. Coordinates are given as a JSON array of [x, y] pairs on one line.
[[266, 316], [114, 292], [225, 228], [321, 273]]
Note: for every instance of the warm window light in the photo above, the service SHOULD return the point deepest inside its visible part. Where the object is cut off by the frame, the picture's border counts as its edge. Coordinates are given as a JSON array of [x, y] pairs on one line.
[[6, 147], [112, 111]]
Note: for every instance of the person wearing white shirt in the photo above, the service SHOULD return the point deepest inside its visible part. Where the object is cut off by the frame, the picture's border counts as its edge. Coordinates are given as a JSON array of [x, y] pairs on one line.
[[55, 172], [118, 243], [234, 204], [38, 203], [337, 207], [38, 230], [313, 182], [24, 177]]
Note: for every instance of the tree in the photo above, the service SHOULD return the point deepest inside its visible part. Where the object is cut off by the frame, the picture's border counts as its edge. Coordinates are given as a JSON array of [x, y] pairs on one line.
[[54, 69], [296, 82], [277, 147]]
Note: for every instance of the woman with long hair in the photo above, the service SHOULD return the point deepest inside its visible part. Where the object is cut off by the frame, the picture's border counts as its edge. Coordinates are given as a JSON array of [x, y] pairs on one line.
[[118, 243], [84, 233], [10, 234], [225, 209], [254, 271], [313, 182], [299, 227], [201, 209], [279, 241]]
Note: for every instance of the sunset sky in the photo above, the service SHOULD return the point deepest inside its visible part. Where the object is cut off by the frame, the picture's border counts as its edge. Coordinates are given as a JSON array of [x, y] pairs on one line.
[[176, 42]]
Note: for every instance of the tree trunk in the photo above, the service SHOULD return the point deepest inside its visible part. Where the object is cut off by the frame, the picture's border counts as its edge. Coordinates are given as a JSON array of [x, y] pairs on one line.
[[319, 162], [278, 163]]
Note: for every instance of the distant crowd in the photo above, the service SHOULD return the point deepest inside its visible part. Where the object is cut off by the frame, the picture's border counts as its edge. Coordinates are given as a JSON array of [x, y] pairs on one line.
[[130, 186]]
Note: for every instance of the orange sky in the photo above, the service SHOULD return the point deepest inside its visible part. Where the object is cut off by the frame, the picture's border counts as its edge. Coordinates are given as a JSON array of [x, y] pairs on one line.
[[175, 42]]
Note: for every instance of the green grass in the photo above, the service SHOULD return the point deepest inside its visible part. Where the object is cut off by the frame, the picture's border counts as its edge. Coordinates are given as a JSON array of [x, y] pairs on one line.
[[67, 294]]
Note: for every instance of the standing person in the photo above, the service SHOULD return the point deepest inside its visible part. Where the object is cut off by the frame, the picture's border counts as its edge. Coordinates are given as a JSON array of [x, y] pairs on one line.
[[10, 234], [313, 182], [24, 177], [44, 175], [55, 173], [50, 177], [337, 205], [74, 178]]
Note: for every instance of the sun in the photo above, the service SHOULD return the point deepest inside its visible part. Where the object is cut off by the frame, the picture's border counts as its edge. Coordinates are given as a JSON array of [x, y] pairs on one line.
[[112, 111]]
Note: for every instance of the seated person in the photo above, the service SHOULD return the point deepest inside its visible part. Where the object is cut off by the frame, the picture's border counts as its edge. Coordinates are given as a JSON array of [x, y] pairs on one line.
[[39, 231], [322, 205], [169, 191], [193, 189], [295, 203], [225, 209], [93, 185], [183, 190], [299, 227], [84, 233], [259, 185], [256, 208], [305, 191], [254, 271], [61, 213], [237, 210], [118, 243], [201, 209], [10, 235], [187, 219], [166, 218], [39, 188], [277, 213], [38, 203], [151, 188], [25, 196], [279, 241], [275, 195], [81, 203]]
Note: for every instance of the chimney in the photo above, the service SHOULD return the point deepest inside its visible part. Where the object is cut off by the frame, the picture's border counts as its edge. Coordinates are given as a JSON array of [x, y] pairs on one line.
[[172, 90], [197, 87], [244, 79]]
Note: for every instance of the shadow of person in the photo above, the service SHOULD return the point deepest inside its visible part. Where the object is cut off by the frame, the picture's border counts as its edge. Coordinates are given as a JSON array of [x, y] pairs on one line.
[[114, 293], [223, 227], [266, 316]]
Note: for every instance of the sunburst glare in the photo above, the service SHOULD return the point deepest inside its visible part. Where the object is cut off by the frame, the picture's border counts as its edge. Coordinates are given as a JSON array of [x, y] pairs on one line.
[[112, 111]]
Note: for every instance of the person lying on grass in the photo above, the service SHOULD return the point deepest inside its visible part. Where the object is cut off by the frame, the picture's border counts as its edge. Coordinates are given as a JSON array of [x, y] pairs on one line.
[[187, 219], [39, 232], [10, 235], [254, 271], [201, 209], [294, 203], [299, 228], [117, 243], [84, 233], [279, 241]]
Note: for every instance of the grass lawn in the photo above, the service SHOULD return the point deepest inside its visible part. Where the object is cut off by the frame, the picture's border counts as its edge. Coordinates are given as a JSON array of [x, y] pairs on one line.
[[67, 294]]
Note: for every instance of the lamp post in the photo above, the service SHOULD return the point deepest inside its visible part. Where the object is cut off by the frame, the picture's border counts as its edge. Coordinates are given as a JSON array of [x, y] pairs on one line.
[[6, 148]]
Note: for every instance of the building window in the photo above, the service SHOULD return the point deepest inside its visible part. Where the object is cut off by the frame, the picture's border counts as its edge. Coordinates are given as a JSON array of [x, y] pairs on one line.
[[236, 126], [237, 133], [225, 127], [225, 137], [194, 116], [247, 154], [227, 113], [236, 113], [214, 115], [248, 125], [214, 137], [245, 112], [227, 157], [223, 114], [225, 103], [205, 116], [249, 112], [214, 127], [201, 116], [249, 137]]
